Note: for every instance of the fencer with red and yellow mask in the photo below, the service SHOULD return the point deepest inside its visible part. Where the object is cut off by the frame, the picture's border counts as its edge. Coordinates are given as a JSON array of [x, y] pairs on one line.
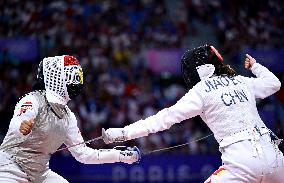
[[42, 122]]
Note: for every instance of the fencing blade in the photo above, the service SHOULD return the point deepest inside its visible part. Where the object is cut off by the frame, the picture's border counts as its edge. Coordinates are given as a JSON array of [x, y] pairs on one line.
[[176, 146]]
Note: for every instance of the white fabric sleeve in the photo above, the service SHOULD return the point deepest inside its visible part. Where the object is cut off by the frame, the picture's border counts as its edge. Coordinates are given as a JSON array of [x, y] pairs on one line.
[[190, 105], [26, 109], [265, 84], [84, 154]]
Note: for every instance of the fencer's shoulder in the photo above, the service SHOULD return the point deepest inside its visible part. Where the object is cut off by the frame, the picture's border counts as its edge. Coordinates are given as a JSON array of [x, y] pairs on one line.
[[29, 101], [197, 89], [34, 95], [201, 84], [31, 97]]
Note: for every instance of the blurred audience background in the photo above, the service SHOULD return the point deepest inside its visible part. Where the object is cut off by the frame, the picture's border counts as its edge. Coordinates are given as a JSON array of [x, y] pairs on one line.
[[110, 39]]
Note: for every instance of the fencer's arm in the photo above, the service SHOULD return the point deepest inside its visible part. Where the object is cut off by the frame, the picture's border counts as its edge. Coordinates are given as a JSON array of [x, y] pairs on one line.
[[190, 105], [87, 155], [265, 83], [84, 154], [26, 109]]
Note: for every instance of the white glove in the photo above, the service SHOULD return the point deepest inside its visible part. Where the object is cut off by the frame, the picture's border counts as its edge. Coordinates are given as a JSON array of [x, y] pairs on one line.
[[114, 135], [129, 155]]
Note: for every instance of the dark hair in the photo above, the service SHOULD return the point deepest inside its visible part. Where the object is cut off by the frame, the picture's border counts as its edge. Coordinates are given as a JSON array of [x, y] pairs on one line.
[[225, 69]]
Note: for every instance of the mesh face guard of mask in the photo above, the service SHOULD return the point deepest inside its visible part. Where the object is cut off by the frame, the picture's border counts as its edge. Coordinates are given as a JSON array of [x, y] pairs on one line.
[[195, 59], [63, 78]]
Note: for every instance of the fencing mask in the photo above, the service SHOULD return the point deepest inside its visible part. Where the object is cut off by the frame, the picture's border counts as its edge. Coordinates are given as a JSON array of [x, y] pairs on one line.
[[62, 77], [199, 63]]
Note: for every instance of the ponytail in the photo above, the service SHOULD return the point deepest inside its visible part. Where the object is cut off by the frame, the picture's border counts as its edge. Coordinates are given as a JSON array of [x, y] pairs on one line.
[[225, 69]]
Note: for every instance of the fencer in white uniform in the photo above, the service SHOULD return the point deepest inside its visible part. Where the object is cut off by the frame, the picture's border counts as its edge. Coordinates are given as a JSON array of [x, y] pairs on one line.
[[25, 151], [227, 104]]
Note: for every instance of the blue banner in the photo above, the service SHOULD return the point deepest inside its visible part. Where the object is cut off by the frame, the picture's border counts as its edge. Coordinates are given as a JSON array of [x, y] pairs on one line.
[[22, 49], [151, 168]]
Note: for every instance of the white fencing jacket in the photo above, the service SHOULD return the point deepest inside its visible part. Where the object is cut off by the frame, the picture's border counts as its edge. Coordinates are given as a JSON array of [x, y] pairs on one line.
[[226, 104], [54, 124]]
